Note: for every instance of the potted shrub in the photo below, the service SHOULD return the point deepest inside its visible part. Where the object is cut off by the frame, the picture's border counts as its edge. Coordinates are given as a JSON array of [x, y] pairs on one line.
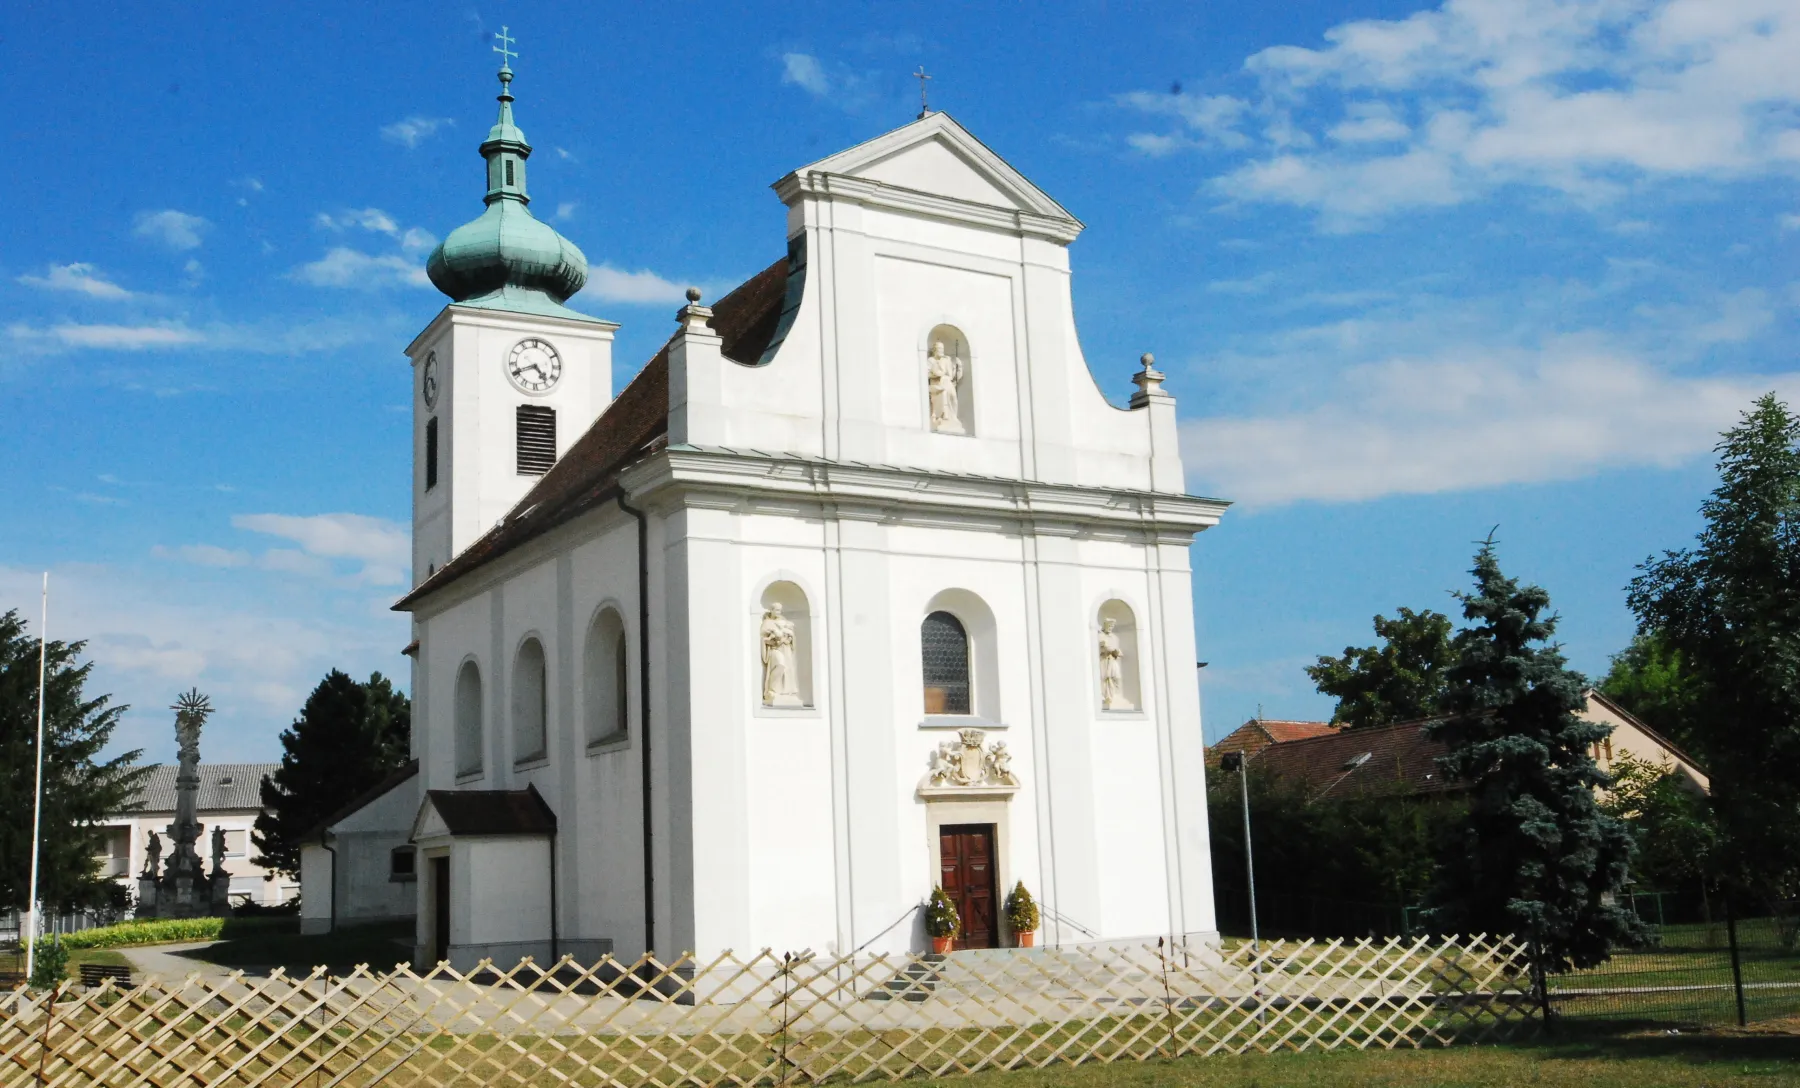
[[942, 923], [1022, 914]]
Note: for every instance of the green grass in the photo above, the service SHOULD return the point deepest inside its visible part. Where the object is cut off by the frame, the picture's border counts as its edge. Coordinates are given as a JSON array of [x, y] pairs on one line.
[[269, 946], [1598, 1061], [168, 931]]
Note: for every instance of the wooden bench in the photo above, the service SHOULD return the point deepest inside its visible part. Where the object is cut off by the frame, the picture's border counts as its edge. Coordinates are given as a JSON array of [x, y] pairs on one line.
[[94, 974]]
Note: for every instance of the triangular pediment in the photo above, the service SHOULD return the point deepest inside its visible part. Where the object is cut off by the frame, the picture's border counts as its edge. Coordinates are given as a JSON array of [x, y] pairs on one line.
[[936, 155]]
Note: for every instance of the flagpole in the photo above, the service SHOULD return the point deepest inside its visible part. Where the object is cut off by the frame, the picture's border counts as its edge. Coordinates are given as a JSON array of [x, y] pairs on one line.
[[37, 804]]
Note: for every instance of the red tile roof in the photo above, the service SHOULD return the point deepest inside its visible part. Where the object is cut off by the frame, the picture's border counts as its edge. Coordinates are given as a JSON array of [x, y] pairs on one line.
[[1259, 733], [587, 474], [1384, 759]]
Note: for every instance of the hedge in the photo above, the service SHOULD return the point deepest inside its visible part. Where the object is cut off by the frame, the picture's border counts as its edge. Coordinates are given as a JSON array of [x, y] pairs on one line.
[[167, 931]]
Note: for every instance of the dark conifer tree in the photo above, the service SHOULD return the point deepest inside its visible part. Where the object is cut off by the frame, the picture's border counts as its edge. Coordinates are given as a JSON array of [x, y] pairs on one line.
[[1535, 856], [81, 789], [1730, 607], [348, 737]]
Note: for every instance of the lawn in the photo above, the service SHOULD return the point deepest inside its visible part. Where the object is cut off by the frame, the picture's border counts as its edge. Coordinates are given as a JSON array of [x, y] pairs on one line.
[[267, 947], [1591, 1061]]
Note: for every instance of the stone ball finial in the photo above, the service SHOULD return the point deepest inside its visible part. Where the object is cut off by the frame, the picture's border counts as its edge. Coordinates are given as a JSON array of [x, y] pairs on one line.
[[1148, 360], [693, 294]]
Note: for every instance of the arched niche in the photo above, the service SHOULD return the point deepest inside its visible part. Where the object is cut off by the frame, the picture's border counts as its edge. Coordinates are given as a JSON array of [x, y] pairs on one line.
[[936, 648], [949, 381], [784, 647], [1117, 676], [530, 699], [468, 719], [605, 679]]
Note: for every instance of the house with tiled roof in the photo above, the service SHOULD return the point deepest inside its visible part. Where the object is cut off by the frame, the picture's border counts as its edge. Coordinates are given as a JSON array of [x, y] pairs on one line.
[[1260, 733], [861, 585], [230, 797], [1399, 759]]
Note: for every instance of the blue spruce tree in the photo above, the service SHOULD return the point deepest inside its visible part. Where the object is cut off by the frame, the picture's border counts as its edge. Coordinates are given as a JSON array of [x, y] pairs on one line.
[[1535, 857]]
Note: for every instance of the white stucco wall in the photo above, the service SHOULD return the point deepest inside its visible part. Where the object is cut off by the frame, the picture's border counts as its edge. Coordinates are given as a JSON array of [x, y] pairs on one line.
[[802, 827]]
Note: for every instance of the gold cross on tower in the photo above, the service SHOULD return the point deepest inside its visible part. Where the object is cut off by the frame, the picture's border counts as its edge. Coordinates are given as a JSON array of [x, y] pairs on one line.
[[924, 104], [506, 54]]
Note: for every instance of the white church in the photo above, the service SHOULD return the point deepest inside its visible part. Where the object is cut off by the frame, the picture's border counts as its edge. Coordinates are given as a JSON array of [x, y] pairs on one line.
[[859, 586]]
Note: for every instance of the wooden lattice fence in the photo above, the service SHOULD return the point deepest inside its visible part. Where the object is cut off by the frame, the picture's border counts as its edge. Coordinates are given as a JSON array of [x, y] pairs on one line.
[[766, 1019]]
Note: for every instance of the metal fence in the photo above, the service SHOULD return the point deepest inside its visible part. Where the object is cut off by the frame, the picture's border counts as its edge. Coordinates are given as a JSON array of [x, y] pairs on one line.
[[1694, 973], [768, 1019]]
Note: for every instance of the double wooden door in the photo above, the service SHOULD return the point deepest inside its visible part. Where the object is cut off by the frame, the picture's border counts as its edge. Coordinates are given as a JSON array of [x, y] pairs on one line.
[[967, 862]]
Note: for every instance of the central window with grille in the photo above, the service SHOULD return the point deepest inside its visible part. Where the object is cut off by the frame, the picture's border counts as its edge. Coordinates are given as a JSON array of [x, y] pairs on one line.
[[431, 453], [944, 647], [537, 439]]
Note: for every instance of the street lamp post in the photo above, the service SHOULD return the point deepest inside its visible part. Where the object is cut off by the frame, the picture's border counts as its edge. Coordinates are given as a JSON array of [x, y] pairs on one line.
[[1234, 761]]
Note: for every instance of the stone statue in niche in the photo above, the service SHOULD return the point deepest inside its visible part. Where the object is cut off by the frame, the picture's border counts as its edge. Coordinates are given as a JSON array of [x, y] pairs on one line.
[[1112, 668], [781, 685], [942, 372]]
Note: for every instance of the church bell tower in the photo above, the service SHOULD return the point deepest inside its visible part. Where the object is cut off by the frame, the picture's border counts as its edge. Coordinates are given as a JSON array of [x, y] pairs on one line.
[[507, 376]]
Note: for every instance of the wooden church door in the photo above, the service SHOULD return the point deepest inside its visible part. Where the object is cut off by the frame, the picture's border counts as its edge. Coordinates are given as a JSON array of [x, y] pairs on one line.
[[966, 859], [440, 910]]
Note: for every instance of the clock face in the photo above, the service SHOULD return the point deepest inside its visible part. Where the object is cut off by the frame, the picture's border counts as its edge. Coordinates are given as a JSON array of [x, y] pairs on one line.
[[534, 366], [428, 381]]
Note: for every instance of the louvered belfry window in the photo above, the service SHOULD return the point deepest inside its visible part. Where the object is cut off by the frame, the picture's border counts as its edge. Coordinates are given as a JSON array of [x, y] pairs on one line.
[[431, 443], [944, 646], [537, 439]]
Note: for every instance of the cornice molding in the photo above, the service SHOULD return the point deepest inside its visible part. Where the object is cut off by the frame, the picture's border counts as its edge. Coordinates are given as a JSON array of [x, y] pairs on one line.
[[915, 496], [879, 194]]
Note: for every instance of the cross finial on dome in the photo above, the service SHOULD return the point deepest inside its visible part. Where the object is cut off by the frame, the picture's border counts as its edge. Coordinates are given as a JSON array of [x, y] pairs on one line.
[[507, 56]]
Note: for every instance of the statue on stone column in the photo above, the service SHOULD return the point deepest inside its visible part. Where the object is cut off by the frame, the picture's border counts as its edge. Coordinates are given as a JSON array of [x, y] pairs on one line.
[[218, 848], [780, 680], [153, 854], [942, 372], [1112, 668]]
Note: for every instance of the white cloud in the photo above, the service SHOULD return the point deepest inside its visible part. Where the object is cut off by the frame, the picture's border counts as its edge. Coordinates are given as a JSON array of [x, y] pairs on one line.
[[345, 267], [205, 555], [1253, 285], [381, 547], [1469, 419], [175, 229], [1579, 97], [370, 219], [414, 130], [1790, 221], [256, 654], [83, 279], [566, 210], [803, 70], [113, 337], [1206, 119], [416, 239], [609, 284]]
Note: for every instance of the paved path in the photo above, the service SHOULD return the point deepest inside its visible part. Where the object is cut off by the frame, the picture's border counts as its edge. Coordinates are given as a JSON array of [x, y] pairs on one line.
[[163, 961]]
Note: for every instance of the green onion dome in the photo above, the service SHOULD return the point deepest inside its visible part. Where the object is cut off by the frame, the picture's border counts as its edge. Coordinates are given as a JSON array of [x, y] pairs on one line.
[[506, 246]]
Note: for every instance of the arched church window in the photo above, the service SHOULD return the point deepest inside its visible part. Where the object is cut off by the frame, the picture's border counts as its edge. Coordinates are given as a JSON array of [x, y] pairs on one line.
[[604, 678], [784, 646], [944, 649], [529, 696], [1117, 650], [949, 391], [468, 719]]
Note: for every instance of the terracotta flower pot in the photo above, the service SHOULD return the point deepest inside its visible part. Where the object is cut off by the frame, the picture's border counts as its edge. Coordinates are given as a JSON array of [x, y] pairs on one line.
[[1027, 939], [941, 945]]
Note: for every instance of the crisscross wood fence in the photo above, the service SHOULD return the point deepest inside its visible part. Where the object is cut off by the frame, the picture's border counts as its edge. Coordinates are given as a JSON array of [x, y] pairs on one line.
[[767, 1019]]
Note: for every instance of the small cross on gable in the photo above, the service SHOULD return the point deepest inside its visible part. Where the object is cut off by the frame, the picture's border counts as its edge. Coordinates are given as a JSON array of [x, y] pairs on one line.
[[924, 104]]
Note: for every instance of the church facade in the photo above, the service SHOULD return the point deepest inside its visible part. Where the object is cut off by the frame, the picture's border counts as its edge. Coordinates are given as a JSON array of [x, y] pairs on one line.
[[858, 587]]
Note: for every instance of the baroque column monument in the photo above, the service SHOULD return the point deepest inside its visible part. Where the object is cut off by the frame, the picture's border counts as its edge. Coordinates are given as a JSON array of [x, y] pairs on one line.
[[184, 889]]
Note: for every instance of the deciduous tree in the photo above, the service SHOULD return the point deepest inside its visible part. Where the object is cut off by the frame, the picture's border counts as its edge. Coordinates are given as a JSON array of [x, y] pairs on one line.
[[1730, 606], [1401, 679]]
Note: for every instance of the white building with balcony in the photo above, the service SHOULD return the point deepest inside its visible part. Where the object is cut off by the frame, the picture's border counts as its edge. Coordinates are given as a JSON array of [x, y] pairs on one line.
[[230, 797]]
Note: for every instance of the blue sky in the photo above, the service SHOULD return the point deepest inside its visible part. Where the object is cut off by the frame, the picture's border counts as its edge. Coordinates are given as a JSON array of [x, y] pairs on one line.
[[1415, 271]]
